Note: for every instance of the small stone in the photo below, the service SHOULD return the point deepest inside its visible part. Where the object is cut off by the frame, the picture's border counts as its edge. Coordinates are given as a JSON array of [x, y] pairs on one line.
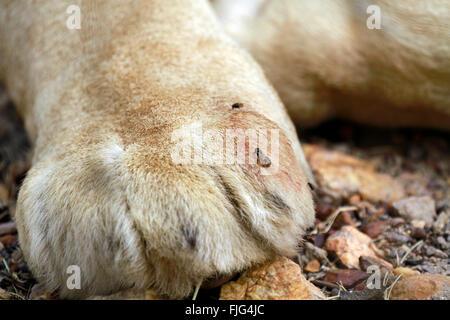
[[8, 228], [340, 176], [313, 266], [348, 278], [405, 272], [319, 240], [414, 183], [365, 262], [7, 239], [418, 224], [315, 252], [4, 193], [422, 287], [349, 244], [414, 261], [343, 219], [396, 237], [323, 211], [418, 233], [442, 243], [441, 221], [416, 208], [279, 279], [374, 229], [440, 254], [396, 222]]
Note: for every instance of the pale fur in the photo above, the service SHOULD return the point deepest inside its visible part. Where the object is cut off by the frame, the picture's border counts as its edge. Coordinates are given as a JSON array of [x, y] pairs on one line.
[[324, 61], [100, 104]]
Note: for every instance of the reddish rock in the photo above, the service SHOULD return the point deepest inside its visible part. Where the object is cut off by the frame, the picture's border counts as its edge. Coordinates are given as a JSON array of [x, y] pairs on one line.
[[348, 278], [280, 279], [418, 233], [349, 244], [343, 219], [374, 229], [441, 221], [422, 287], [319, 240], [7, 239], [323, 211]]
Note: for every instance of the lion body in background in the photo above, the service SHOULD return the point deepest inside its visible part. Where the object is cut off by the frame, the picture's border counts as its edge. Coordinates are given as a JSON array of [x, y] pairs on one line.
[[325, 62]]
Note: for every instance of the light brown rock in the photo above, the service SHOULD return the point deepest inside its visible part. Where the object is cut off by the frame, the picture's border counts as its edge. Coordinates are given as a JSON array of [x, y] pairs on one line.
[[422, 287], [280, 279], [349, 244], [405, 272], [340, 176], [312, 266]]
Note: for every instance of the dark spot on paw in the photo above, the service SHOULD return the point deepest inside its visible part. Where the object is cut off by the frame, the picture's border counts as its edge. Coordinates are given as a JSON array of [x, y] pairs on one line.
[[190, 234], [237, 105], [276, 203]]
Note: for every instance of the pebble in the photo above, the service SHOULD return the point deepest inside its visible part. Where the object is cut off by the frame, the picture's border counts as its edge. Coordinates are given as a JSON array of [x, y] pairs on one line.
[[441, 221], [340, 176], [418, 233], [313, 266], [348, 278], [280, 279], [405, 272], [397, 237], [396, 222], [416, 208], [422, 287], [349, 244], [374, 229]]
